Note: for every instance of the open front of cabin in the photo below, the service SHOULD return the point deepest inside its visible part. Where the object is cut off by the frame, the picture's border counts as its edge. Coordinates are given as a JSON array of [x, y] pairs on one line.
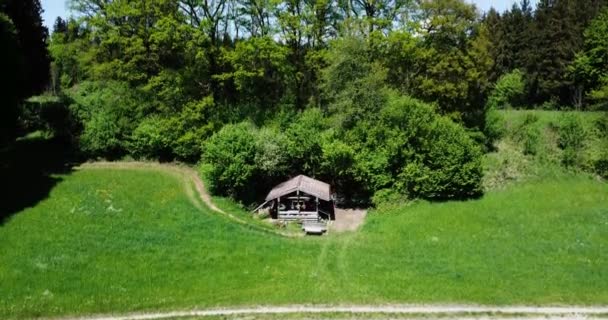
[[300, 199]]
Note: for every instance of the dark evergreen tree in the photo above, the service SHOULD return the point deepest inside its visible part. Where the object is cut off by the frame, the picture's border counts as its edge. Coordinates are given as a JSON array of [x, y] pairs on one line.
[[11, 64], [32, 41]]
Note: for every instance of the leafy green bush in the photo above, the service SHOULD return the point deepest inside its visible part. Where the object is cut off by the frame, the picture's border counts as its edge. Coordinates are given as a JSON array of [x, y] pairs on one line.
[[572, 136], [528, 134], [494, 126], [416, 152], [409, 149], [191, 127], [447, 165], [151, 139], [388, 198], [228, 159], [601, 166], [508, 91], [531, 139], [303, 143], [108, 112], [271, 156]]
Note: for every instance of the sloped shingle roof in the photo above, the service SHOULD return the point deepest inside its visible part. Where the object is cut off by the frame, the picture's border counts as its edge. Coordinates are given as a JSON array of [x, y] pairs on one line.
[[303, 183]]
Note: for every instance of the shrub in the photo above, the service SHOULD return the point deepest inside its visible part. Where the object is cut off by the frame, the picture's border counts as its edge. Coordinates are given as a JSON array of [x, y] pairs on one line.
[[417, 152], [108, 112], [303, 143], [447, 165], [494, 126], [388, 198], [508, 92], [572, 135], [531, 139], [601, 166], [410, 149], [151, 139], [271, 158], [228, 159], [192, 126], [103, 136], [528, 134]]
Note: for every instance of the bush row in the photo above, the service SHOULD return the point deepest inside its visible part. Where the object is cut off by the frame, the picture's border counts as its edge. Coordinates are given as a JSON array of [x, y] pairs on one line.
[[408, 150]]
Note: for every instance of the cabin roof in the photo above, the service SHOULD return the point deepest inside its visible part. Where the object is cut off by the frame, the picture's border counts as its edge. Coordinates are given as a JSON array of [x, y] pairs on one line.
[[302, 183]]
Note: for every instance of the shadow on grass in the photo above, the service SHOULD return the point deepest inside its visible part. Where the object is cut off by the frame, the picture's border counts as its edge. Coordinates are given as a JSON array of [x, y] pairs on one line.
[[27, 170]]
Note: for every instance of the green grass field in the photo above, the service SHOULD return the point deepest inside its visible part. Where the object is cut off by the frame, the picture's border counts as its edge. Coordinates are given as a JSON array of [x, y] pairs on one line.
[[118, 240]]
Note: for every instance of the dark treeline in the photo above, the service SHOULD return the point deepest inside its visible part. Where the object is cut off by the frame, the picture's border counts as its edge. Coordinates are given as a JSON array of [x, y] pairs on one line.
[[549, 45], [384, 99], [24, 60]]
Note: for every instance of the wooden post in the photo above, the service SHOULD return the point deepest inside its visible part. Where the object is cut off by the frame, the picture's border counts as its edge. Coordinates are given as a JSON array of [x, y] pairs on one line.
[[317, 208], [298, 203]]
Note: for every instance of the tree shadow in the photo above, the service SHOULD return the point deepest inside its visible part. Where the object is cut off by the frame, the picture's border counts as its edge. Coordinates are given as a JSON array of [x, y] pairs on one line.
[[27, 170]]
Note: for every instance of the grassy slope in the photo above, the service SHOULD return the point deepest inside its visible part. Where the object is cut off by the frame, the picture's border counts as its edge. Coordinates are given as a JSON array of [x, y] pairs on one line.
[[508, 163], [125, 240]]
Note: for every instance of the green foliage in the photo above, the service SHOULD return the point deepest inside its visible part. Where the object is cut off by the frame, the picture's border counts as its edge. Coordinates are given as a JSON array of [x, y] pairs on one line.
[[259, 70], [409, 147], [49, 114], [508, 91], [228, 159], [109, 112], [590, 67], [10, 64], [386, 199], [151, 139], [448, 167], [417, 152], [531, 139], [494, 126], [454, 60], [571, 139], [196, 122], [303, 143], [540, 144], [352, 83], [273, 157]]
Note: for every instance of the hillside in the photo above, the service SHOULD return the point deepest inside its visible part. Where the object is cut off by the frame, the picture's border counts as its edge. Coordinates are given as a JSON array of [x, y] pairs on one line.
[[116, 240], [543, 144]]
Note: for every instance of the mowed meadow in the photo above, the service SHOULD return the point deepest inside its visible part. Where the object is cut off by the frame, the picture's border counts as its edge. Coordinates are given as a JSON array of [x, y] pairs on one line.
[[118, 240]]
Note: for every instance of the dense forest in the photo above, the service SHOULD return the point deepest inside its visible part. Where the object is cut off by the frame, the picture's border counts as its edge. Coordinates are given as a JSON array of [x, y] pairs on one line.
[[381, 98]]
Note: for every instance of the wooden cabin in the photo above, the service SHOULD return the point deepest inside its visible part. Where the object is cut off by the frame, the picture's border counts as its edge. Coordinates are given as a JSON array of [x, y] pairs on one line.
[[301, 199]]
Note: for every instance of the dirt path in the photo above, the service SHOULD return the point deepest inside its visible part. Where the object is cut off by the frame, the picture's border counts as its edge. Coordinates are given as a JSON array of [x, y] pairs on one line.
[[348, 220], [402, 311], [187, 175]]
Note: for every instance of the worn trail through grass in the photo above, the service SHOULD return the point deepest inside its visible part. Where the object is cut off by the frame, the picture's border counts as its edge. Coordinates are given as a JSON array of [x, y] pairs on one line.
[[188, 176], [446, 312]]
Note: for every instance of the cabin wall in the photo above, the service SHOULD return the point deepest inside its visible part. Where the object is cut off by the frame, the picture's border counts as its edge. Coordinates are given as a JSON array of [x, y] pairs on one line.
[[301, 206]]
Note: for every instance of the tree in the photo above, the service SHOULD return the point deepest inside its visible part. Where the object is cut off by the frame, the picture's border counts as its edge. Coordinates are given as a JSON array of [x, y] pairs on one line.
[[590, 67], [454, 61], [508, 91], [11, 64], [260, 71], [32, 37], [557, 28]]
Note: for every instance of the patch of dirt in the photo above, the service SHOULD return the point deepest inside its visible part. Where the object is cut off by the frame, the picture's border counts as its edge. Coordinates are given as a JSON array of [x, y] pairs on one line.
[[348, 220]]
